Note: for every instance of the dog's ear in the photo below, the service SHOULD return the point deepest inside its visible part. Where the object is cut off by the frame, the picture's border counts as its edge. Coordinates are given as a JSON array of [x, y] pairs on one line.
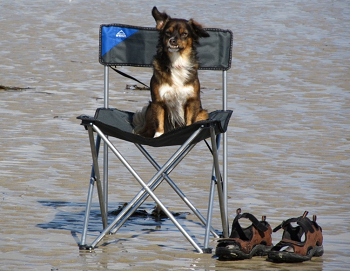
[[161, 18], [198, 29]]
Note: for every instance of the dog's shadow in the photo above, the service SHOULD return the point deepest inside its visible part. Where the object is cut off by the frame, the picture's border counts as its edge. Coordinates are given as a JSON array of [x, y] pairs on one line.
[[70, 217]]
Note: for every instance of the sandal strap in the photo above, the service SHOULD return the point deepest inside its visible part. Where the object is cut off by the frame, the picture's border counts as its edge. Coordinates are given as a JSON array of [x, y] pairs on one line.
[[285, 223], [306, 225], [303, 221], [260, 226], [285, 243]]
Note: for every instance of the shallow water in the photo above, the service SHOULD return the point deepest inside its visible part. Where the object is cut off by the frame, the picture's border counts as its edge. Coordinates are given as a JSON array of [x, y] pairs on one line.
[[288, 137]]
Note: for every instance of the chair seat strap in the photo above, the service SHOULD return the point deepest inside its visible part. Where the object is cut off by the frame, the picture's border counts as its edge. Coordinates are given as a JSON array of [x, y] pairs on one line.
[[128, 76]]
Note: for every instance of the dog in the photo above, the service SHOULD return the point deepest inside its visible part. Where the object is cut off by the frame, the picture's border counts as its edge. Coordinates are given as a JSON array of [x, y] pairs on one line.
[[175, 89]]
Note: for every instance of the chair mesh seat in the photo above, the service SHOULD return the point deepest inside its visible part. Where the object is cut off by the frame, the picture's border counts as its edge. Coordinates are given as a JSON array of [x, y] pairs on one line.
[[118, 123]]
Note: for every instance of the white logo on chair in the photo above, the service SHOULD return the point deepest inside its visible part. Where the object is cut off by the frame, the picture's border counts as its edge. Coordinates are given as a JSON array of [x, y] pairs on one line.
[[121, 34]]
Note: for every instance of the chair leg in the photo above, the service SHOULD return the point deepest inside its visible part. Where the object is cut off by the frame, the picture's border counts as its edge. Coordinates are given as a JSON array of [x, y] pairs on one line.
[[176, 189], [97, 177], [207, 222], [177, 154], [142, 196], [222, 201], [209, 215], [211, 201], [89, 198], [87, 213]]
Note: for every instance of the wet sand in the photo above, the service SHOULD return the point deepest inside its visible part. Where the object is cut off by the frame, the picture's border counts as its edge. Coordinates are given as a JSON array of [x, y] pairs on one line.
[[289, 136]]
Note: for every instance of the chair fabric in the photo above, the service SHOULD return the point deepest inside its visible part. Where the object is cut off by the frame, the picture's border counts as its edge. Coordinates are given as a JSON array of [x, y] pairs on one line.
[[118, 44], [118, 123]]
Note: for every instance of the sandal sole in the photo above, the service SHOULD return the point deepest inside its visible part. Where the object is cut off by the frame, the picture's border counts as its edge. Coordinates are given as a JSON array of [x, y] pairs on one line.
[[225, 254], [289, 257]]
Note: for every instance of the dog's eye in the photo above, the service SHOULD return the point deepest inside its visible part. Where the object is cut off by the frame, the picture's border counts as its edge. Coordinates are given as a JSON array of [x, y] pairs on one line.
[[184, 35], [168, 33]]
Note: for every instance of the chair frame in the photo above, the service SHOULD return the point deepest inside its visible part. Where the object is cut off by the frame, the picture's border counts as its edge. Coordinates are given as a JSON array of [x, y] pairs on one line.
[[162, 174]]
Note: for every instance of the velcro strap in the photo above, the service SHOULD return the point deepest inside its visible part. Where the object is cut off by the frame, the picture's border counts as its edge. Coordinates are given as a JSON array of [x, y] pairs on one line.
[[256, 223], [285, 223], [303, 221]]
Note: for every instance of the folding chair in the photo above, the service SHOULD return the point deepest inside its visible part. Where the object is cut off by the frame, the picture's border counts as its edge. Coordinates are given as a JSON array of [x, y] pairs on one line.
[[124, 45]]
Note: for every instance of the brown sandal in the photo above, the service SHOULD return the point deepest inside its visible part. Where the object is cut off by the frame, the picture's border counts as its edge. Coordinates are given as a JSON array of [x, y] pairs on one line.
[[291, 248], [254, 240]]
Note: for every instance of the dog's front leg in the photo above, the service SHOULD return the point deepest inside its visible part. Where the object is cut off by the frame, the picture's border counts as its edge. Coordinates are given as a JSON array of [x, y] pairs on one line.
[[158, 116], [194, 112]]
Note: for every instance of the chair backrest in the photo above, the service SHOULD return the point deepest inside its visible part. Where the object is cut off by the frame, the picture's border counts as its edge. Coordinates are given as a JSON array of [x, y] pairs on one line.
[[125, 45]]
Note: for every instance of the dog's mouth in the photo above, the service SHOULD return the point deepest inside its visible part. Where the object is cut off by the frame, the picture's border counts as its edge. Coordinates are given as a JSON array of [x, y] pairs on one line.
[[173, 48]]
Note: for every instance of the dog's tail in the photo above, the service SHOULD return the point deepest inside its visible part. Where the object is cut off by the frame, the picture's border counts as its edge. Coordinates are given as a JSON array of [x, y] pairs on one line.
[[139, 120]]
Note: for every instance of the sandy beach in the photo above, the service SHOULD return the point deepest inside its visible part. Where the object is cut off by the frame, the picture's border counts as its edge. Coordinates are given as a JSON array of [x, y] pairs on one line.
[[289, 135]]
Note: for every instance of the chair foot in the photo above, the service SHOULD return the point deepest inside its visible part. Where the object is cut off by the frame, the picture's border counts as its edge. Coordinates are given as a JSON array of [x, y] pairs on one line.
[[86, 247], [207, 250]]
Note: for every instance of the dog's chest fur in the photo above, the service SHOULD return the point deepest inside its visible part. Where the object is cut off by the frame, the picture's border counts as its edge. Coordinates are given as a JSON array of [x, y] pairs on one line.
[[176, 94]]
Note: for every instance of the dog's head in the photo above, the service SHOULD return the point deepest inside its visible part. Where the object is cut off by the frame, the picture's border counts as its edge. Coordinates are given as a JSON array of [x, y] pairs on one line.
[[177, 34]]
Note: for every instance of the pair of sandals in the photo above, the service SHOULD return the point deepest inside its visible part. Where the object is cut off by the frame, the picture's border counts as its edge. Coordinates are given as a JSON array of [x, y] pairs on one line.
[[256, 240]]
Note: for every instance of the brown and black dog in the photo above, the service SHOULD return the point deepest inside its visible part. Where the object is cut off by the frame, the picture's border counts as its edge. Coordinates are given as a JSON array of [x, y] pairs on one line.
[[175, 89]]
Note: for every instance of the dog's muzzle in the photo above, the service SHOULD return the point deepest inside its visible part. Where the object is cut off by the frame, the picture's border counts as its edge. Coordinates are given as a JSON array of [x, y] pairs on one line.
[[172, 45]]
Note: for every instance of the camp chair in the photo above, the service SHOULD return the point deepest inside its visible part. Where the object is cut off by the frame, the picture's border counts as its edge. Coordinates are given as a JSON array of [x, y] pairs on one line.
[[124, 45]]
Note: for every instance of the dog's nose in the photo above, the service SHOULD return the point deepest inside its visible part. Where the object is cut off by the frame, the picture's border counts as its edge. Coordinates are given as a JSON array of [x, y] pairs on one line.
[[173, 42]]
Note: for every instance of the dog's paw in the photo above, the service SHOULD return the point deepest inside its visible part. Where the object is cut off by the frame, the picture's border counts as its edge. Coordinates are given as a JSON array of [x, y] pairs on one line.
[[157, 134]]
